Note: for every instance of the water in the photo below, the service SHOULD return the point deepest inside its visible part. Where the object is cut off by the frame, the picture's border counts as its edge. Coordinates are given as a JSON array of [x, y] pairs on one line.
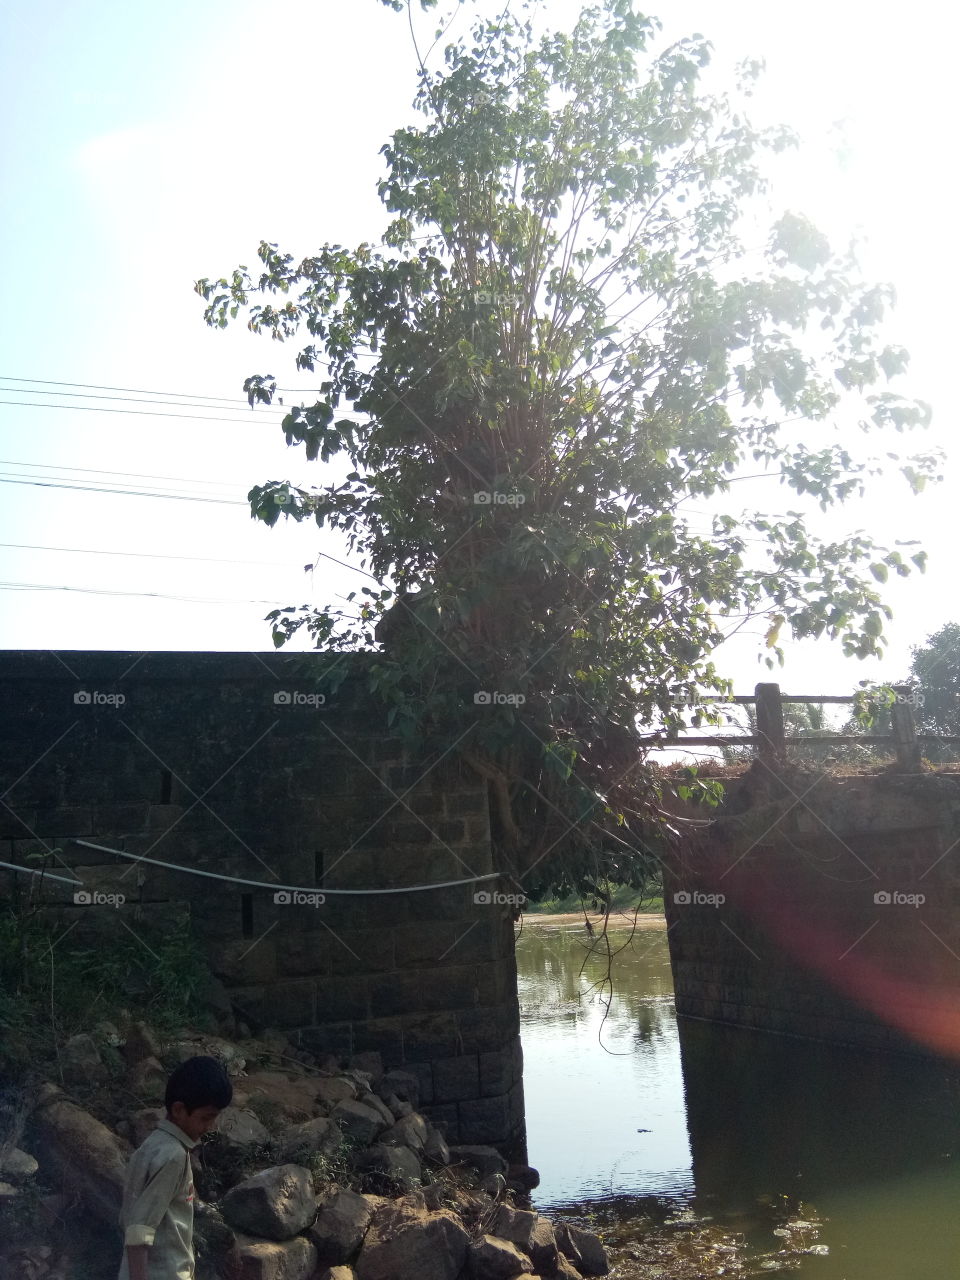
[[629, 1112]]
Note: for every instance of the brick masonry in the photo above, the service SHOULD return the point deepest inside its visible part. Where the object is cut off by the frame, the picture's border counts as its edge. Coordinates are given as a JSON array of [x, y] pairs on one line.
[[202, 765], [821, 932]]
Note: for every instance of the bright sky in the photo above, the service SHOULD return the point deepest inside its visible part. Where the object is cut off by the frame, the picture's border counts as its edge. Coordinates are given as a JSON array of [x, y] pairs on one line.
[[147, 146]]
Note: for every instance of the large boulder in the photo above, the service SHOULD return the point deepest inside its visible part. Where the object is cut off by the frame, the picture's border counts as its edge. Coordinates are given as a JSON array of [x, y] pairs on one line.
[[583, 1249], [225, 1052], [493, 1259], [277, 1203], [340, 1227], [80, 1061], [338, 1273], [412, 1131], [408, 1243], [139, 1042], [436, 1149], [80, 1152], [337, 1089], [485, 1160], [515, 1225], [294, 1259], [400, 1164], [358, 1121], [281, 1098], [383, 1111], [298, 1142], [543, 1246], [148, 1079], [240, 1128], [17, 1165], [142, 1123]]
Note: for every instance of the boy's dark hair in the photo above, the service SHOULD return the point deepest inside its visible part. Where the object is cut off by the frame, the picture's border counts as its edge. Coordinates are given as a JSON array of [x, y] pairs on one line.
[[199, 1082]]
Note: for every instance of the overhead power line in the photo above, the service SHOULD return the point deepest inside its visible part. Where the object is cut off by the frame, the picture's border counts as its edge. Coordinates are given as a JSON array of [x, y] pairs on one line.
[[148, 413], [102, 471], [144, 555], [129, 493], [106, 591]]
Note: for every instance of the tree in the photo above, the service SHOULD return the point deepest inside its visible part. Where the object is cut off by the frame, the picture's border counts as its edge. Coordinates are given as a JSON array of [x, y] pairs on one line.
[[936, 669], [565, 346]]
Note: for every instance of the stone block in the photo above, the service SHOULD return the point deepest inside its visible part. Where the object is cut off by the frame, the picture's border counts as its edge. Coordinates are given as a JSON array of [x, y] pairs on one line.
[[342, 999], [455, 1079], [394, 993], [485, 1120], [428, 1036], [496, 1073]]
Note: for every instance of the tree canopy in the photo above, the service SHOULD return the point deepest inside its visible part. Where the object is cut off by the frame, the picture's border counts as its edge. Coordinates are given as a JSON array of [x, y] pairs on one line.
[[570, 331]]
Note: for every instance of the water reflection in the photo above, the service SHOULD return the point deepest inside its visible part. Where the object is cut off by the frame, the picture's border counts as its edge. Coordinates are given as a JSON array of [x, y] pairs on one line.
[[630, 1111]]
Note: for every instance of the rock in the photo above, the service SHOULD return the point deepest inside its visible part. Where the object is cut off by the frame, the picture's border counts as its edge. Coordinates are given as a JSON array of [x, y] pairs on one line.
[[398, 1108], [402, 1084], [424, 1246], [485, 1160], [371, 1063], [300, 1141], [358, 1121], [376, 1104], [277, 1203], [80, 1152], [143, 1123], [294, 1259], [149, 1079], [338, 1273], [340, 1227], [225, 1052], [411, 1131], [277, 1097], [583, 1249], [543, 1250], [524, 1176], [212, 1238], [515, 1225], [436, 1149], [398, 1163], [80, 1060], [213, 995], [565, 1270], [17, 1165], [139, 1043], [241, 1128], [493, 1259], [8, 1191], [332, 1092], [494, 1184], [107, 1033]]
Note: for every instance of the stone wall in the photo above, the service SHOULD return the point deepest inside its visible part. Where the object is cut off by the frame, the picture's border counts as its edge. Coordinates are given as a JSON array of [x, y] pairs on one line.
[[222, 763], [825, 907]]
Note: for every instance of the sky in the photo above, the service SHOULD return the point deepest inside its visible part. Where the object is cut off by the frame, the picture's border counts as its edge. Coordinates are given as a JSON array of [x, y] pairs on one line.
[[147, 146]]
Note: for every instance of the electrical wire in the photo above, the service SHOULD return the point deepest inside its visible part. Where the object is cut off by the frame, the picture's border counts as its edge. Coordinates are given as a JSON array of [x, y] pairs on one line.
[[144, 555], [107, 591], [289, 888], [102, 471], [128, 493]]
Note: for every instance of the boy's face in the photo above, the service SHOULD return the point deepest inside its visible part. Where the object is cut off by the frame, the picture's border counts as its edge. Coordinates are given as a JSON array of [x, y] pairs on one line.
[[194, 1123]]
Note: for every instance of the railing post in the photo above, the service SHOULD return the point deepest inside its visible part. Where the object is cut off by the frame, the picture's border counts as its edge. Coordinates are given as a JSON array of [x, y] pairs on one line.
[[904, 730], [770, 724]]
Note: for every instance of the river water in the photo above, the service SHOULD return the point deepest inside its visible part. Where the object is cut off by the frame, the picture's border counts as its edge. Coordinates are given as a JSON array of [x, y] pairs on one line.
[[632, 1112]]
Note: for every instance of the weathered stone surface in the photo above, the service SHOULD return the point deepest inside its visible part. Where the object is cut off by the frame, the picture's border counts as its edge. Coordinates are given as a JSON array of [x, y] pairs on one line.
[[277, 1203], [566, 1270], [294, 1259], [17, 1165], [80, 1152], [515, 1225], [148, 1079], [543, 1246], [241, 1128], [398, 1107], [279, 1098], [357, 1121], [143, 1123], [399, 1163], [402, 1084], [338, 1273], [436, 1149], [140, 1042], [383, 1111], [370, 1062], [340, 1227], [524, 1175], [412, 1131], [485, 1160], [332, 1092], [583, 1249], [81, 1062], [427, 1246], [493, 1259], [225, 1052], [456, 1079], [299, 1141]]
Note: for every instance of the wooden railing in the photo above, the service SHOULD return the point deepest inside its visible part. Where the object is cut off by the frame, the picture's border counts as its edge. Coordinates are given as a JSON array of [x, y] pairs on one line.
[[771, 739]]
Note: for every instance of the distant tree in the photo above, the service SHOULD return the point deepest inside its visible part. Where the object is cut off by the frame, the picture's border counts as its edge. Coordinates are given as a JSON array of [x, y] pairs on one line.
[[936, 669]]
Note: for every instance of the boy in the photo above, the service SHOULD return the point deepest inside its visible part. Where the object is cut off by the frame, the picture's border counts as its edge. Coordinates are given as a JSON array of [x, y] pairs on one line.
[[157, 1212]]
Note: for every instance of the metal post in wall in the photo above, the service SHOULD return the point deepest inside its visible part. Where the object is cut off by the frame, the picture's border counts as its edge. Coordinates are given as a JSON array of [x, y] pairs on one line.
[[904, 730], [771, 749]]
